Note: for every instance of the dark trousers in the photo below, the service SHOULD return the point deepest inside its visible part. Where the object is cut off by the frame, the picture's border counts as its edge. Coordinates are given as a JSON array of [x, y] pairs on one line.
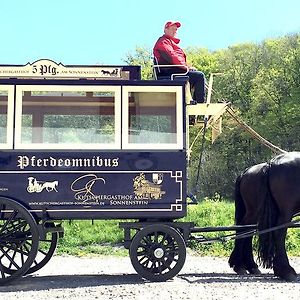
[[196, 79], [197, 82]]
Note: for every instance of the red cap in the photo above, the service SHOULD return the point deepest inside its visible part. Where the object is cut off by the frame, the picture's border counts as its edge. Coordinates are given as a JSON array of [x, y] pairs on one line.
[[171, 23]]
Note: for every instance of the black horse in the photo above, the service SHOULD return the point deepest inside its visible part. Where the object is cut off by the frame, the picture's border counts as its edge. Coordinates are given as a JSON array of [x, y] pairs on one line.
[[268, 195]]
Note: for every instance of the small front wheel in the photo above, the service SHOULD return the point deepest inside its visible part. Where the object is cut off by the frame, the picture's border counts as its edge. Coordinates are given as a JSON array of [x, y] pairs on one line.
[[157, 252]]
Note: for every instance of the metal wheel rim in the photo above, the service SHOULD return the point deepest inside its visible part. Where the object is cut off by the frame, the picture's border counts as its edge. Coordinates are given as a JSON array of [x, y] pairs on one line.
[[158, 252]]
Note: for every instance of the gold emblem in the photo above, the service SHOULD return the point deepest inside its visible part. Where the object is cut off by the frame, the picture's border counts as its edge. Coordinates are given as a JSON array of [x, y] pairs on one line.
[[144, 189]]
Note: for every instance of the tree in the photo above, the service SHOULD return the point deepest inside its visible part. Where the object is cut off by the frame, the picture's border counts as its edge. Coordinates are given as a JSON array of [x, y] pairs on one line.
[[262, 81], [141, 57]]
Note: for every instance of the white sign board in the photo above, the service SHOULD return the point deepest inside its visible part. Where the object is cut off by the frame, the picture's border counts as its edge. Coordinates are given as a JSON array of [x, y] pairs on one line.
[[45, 68]]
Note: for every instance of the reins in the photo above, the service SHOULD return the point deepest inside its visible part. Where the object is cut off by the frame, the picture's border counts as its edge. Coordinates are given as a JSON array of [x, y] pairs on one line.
[[234, 236]]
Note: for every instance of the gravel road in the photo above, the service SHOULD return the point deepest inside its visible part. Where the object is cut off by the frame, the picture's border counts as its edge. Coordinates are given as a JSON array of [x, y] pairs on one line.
[[106, 278]]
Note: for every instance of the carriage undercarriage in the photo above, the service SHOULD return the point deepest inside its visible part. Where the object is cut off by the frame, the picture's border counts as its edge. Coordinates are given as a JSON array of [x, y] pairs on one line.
[[157, 248]]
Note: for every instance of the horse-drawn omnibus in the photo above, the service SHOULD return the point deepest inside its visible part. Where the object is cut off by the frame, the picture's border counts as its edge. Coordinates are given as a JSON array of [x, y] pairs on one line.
[[93, 142]]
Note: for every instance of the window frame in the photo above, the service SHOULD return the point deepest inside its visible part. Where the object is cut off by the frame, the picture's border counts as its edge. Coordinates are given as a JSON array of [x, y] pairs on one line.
[[10, 116], [67, 88], [179, 118]]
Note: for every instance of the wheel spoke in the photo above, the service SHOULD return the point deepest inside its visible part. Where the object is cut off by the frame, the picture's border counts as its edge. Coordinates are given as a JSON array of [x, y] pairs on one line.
[[12, 259], [164, 238], [46, 241], [166, 265], [7, 222], [172, 250], [42, 252], [16, 243], [152, 266], [160, 270], [9, 258], [143, 252], [147, 240], [20, 226], [144, 263], [13, 229], [2, 271], [156, 237], [145, 247], [22, 256], [26, 248]]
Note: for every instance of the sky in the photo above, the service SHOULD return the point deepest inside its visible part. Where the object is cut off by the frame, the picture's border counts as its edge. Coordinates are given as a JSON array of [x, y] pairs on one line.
[[89, 32]]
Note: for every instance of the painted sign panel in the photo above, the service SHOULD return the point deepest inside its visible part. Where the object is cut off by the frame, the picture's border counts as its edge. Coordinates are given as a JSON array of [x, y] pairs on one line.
[[120, 184], [45, 68]]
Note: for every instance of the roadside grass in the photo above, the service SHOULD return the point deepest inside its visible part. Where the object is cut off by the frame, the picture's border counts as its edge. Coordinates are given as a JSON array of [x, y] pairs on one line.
[[211, 213], [104, 237], [87, 237]]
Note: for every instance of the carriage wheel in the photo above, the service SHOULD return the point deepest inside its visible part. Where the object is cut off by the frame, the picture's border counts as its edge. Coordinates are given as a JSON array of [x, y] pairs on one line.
[[19, 240], [157, 252], [45, 251]]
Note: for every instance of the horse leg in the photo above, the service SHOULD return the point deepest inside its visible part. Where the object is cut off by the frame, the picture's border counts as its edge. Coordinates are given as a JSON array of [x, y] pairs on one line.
[[236, 260], [241, 259], [249, 262], [281, 264]]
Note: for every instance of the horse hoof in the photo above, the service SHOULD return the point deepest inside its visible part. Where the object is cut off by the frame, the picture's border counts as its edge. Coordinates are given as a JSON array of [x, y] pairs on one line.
[[255, 271], [285, 274], [289, 277], [240, 270]]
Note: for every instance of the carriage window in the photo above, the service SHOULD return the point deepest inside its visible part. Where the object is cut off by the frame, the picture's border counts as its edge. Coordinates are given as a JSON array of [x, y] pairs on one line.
[[6, 116], [3, 116], [152, 118], [68, 117]]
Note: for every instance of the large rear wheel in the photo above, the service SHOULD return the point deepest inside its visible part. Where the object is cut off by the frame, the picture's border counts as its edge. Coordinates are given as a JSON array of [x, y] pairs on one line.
[[19, 240], [46, 250], [158, 252]]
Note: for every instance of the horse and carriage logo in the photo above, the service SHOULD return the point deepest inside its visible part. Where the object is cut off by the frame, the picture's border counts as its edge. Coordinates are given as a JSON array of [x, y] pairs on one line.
[[114, 72], [146, 189], [35, 186]]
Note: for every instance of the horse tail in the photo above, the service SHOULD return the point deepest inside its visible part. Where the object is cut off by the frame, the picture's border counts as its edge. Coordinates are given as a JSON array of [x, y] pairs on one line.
[[240, 209], [267, 217]]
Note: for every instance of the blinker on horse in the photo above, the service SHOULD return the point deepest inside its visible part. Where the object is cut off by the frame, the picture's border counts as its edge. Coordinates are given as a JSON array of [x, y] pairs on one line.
[[268, 195]]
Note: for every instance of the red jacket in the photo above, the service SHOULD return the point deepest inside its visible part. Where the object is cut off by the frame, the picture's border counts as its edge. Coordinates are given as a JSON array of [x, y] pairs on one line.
[[167, 51]]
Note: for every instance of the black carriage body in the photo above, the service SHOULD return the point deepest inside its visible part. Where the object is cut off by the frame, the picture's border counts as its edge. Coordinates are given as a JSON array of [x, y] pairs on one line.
[[133, 171], [95, 184]]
